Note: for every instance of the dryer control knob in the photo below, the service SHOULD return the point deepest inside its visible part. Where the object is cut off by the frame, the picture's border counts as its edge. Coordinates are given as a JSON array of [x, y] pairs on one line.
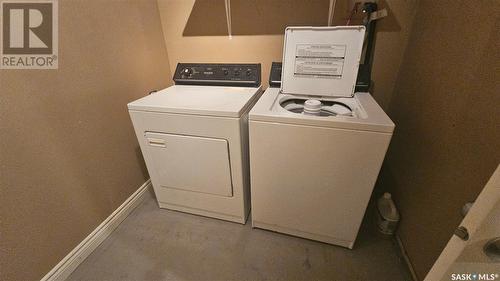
[[187, 71]]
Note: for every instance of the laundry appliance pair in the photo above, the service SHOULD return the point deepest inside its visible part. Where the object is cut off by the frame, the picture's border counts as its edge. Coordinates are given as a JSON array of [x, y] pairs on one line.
[[304, 156]]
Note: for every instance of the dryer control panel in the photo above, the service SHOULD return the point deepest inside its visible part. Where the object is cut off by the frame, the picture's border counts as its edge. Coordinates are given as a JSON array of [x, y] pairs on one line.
[[218, 74]]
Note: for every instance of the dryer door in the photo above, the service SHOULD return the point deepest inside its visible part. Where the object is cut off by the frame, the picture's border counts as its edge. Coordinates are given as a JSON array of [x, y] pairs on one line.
[[190, 163]]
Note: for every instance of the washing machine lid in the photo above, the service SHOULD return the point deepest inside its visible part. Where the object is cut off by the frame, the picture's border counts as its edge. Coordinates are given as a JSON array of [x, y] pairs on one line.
[[198, 100], [321, 61]]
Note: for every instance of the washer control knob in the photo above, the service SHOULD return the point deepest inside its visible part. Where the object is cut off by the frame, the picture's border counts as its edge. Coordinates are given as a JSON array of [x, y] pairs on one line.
[[236, 72], [249, 72], [226, 72]]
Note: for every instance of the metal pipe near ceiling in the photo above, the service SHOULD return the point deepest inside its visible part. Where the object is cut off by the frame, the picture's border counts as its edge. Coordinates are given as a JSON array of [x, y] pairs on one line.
[[228, 18], [331, 10]]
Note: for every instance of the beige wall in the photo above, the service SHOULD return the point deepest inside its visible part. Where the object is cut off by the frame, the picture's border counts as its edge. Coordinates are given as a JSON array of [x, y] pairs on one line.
[[391, 41], [446, 107], [245, 49], [68, 154], [391, 38]]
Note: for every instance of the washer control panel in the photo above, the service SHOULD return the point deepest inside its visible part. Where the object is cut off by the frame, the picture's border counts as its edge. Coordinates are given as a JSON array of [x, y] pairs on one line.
[[218, 74], [275, 75]]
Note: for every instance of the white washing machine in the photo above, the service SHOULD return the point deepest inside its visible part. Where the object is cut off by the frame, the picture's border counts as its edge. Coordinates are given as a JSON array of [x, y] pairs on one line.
[[194, 139], [316, 147]]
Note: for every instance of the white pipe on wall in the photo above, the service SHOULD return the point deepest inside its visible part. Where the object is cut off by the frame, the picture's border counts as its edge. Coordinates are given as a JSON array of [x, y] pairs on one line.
[[228, 18]]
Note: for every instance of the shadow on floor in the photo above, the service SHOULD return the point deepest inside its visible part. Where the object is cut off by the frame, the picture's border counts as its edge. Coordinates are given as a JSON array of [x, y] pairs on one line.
[[158, 244]]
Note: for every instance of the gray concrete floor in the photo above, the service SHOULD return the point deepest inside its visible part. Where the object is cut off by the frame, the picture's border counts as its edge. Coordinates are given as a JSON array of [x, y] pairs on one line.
[[158, 244]]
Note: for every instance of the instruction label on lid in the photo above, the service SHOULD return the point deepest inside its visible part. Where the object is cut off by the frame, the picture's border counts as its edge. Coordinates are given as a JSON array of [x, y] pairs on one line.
[[320, 60]]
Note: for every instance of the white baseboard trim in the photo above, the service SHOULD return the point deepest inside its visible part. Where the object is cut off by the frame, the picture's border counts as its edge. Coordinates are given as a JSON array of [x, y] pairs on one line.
[[406, 258], [69, 263]]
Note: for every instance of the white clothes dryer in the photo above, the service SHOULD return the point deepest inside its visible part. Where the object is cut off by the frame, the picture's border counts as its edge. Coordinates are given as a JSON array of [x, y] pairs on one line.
[[194, 139]]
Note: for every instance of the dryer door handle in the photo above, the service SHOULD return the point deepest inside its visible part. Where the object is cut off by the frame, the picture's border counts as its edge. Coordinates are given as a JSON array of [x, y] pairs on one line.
[[156, 142]]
